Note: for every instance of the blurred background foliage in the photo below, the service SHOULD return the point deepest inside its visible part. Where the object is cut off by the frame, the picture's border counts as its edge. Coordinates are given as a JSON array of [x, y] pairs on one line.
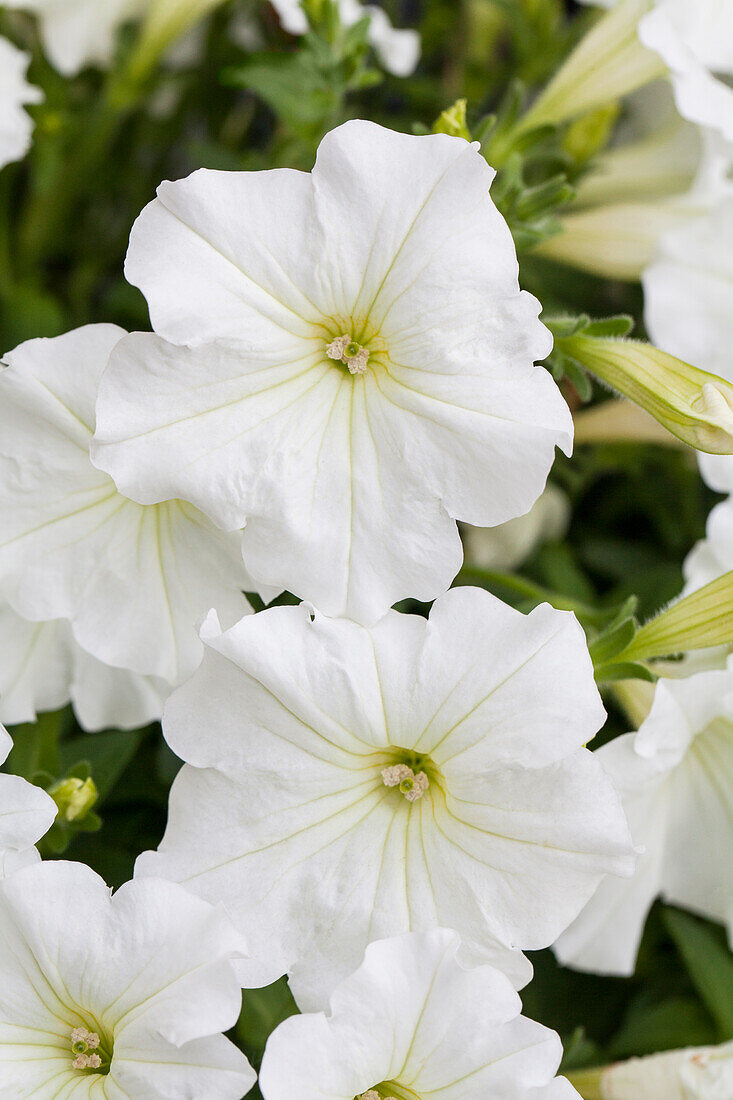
[[238, 93]]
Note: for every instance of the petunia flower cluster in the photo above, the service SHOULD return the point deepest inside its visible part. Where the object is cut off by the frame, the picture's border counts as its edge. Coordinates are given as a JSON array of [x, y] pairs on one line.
[[389, 807], [312, 378]]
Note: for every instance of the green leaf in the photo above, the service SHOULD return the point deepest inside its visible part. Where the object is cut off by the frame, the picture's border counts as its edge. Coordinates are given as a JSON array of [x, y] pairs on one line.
[[623, 670], [612, 641], [648, 1028], [709, 963], [293, 85]]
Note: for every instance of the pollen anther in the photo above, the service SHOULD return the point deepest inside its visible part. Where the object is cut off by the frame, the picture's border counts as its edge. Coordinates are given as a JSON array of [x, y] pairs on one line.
[[412, 786], [349, 352], [84, 1045]]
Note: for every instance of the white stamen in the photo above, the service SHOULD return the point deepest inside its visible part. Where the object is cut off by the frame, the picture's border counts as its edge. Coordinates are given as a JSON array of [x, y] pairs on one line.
[[411, 786], [418, 790], [356, 363], [336, 348], [88, 1040], [394, 775]]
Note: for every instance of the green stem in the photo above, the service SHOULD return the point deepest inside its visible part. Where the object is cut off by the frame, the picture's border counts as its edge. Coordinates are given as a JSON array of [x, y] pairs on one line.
[[531, 591], [52, 205]]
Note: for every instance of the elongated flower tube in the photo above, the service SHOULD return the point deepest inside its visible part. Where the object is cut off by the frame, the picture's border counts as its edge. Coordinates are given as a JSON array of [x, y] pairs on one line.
[[609, 62], [694, 405], [617, 241], [412, 1024], [16, 125], [418, 773], [641, 39], [337, 351], [701, 619], [662, 175]]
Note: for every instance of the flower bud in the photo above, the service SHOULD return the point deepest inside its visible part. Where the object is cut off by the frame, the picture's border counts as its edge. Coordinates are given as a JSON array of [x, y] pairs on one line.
[[702, 1073], [453, 121], [694, 405], [700, 620], [615, 241], [74, 797]]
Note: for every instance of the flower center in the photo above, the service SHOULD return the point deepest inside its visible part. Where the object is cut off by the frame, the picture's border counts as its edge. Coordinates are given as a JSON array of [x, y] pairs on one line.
[[89, 1051], [411, 785], [411, 774], [348, 351]]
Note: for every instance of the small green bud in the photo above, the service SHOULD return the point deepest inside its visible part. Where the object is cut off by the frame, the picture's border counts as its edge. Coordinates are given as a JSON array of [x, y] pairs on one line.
[[74, 797], [453, 121], [694, 405]]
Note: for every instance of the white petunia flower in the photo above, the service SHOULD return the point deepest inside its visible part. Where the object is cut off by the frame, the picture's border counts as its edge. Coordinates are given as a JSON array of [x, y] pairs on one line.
[[115, 996], [312, 822], [76, 33], [507, 546], [687, 290], [132, 580], [26, 814], [43, 668], [712, 556], [675, 777], [411, 1022], [687, 297], [16, 125], [694, 41], [397, 50], [348, 461]]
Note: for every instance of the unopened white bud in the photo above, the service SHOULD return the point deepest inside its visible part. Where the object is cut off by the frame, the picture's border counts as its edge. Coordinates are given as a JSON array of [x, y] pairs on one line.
[[702, 1073]]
